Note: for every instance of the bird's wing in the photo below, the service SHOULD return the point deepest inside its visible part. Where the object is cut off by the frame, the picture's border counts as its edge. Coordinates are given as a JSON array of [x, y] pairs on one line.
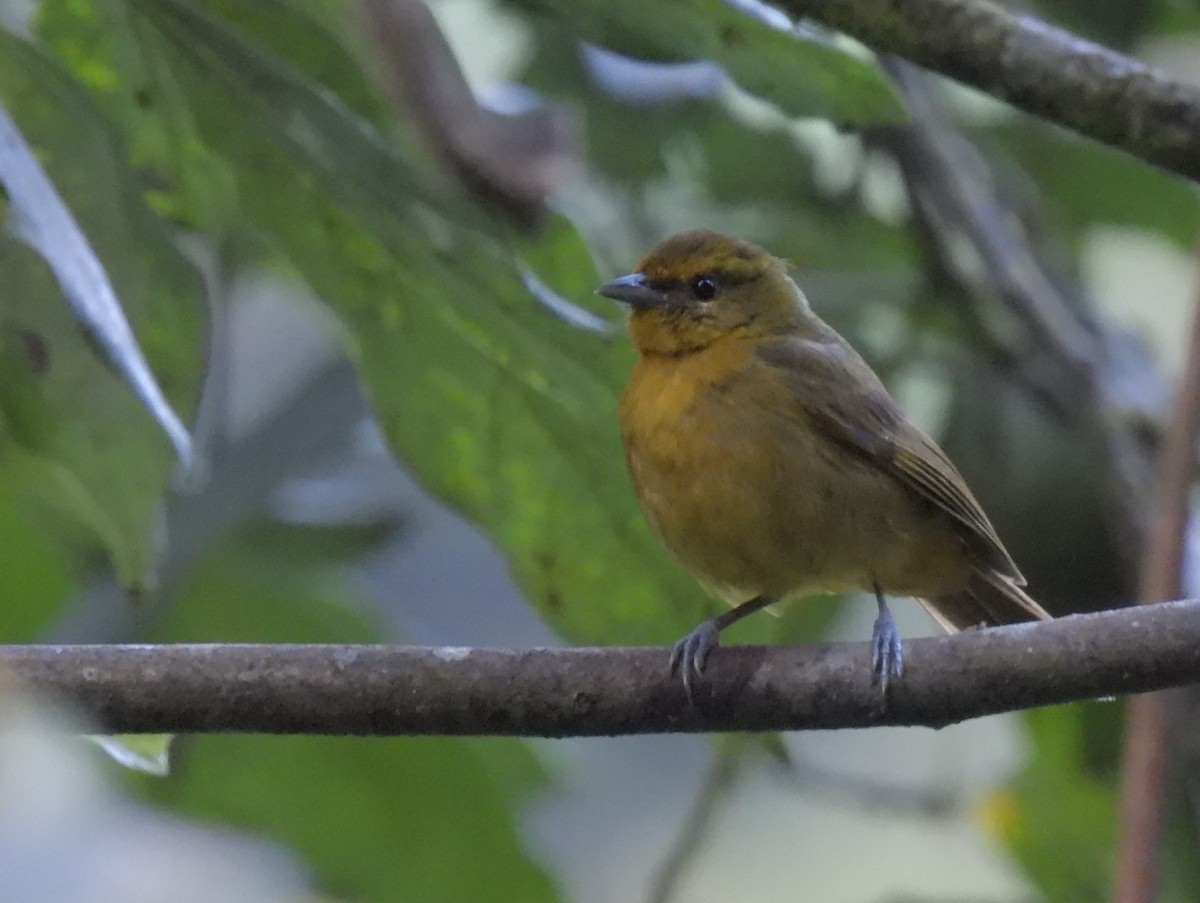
[[844, 399]]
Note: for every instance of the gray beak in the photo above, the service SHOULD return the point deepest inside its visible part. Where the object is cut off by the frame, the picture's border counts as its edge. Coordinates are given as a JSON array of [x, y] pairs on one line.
[[633, 290]]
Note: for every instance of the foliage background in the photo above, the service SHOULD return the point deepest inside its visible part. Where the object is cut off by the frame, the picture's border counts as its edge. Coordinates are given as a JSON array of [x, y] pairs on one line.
[[312, 288]]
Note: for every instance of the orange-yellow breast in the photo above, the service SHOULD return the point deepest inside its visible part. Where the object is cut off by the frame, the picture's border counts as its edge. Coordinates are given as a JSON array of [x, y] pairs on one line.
[[753, 500]]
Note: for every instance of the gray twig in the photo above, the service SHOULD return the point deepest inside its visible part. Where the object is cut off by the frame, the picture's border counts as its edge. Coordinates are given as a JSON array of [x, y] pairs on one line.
[[390, 690]]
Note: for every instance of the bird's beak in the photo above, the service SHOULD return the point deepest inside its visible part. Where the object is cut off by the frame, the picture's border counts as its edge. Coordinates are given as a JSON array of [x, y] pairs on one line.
[[633, 290]]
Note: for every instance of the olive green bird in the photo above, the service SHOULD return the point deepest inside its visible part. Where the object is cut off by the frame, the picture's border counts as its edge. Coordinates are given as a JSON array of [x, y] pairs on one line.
[[770, 460]]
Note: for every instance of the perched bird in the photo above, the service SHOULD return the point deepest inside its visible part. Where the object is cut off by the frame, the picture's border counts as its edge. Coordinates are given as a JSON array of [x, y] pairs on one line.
[[770, 460]]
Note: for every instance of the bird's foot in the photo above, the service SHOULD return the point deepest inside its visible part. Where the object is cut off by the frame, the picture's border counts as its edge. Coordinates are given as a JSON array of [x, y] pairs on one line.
[[690, 655], [887, 652]]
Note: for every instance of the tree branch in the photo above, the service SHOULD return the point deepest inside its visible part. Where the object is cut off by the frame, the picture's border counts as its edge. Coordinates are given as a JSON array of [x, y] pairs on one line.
[[389, 690], [1144, 768], [1034, 66]]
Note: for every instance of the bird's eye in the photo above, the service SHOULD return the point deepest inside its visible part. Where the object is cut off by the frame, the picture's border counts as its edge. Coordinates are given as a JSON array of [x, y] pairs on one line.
[[704, 288]]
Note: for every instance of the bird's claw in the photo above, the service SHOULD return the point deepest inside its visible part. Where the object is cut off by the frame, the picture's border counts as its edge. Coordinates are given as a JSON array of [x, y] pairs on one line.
[[887, 652], [690, 655]]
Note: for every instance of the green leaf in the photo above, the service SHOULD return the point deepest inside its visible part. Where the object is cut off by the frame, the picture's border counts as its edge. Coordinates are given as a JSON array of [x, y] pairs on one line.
[[309, 34], [1058, 816], [149, 753], [380, 820], [800, 71], [36, 577], [38, 216], [1086, 184], [755, 181], [73, 439]]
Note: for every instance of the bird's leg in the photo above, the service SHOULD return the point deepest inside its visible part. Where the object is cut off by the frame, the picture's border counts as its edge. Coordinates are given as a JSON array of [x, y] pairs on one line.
[[690, 654], [887, 653]]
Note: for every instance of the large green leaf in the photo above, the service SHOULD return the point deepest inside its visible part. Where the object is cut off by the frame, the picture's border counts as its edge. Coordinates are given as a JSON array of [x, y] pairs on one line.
[[74, 441]]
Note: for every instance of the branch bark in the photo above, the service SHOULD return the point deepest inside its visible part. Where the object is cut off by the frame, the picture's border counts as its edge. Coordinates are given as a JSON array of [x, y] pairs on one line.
[[393, 690], [1034, 66]]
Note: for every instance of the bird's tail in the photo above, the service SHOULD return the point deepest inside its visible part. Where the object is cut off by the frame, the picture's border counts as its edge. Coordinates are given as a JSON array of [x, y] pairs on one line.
[[990, 599]]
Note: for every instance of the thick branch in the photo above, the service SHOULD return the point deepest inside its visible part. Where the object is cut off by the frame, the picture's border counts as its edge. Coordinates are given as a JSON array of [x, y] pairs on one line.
[[1043, 70], [586, 692]]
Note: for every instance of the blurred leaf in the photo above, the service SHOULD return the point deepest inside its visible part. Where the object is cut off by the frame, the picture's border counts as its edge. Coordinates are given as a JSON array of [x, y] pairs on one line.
[[561, 254], [36, 577], [38, 216], [764, 176], [380, 820], [1060, 819], [73, 440], [149, 753], [306, 121], [1176, 17], [1060, 815], [301, 31], [412, 819], [801, 72], [556, 68], [1085, 184]]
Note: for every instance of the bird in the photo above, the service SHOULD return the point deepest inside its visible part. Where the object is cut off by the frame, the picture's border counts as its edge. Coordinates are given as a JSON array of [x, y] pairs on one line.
[[770, 460]]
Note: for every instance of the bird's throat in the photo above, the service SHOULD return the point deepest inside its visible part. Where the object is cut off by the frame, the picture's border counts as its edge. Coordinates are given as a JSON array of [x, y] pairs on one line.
[[667, 333]]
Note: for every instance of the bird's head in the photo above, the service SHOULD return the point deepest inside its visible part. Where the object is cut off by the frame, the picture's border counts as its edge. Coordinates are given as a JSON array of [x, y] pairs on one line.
[[698, 287]]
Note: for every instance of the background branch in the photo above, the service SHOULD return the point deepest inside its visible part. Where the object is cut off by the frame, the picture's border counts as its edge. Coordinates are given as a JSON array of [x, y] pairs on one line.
[[325, 689], [1144, 774], [1034, 66]]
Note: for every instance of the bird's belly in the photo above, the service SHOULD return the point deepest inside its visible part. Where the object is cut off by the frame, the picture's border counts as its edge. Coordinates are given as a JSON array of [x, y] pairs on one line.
[[754, 511]]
